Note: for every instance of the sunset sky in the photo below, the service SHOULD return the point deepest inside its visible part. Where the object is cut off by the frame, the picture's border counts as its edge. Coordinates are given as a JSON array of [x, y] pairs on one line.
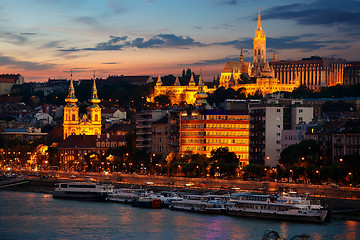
[[47, 38]]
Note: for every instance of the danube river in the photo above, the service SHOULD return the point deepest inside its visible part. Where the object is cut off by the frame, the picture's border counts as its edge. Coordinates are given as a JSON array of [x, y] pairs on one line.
[[25, 215]]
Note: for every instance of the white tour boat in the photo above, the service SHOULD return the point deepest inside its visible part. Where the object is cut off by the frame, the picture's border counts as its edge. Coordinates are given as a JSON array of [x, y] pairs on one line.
[[83, 190], [126, 195], [288, 206], [200, 203]]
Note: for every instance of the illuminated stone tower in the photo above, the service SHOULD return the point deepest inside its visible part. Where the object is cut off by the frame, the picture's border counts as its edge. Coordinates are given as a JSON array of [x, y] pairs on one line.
[[94, 111], [71, 113], [259, 45]]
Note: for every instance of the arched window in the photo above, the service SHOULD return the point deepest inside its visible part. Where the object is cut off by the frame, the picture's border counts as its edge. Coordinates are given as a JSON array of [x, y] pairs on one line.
[[259, 52], [73, 117], [96, 117]]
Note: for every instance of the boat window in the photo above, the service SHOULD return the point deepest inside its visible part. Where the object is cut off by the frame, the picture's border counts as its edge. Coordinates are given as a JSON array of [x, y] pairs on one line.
[[81, 186], [64, 185]]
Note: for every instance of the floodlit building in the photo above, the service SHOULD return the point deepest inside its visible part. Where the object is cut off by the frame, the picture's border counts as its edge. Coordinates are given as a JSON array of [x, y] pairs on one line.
[[261, 76], [88, 124], [179, 93], [202, 131], [314, 72]]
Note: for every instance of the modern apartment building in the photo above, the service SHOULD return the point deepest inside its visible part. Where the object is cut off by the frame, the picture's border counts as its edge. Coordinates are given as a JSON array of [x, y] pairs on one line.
[[202, 131], [267, 122], [144, 121]]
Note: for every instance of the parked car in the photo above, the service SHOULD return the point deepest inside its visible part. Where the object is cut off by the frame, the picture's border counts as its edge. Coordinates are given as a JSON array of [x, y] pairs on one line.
[[203, 185]]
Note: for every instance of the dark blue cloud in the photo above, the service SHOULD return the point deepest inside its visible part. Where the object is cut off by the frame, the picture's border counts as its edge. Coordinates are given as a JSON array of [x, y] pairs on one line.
[[319, 12], [28, 33], [158, 41], [227, 2], [16, 38]]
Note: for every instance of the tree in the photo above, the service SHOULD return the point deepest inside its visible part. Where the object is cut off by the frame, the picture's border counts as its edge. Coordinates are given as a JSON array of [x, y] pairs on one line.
[[196, 165], [162, 100], [305, 153], [253, 171], [338, 106], [220, 95], [224, 162]]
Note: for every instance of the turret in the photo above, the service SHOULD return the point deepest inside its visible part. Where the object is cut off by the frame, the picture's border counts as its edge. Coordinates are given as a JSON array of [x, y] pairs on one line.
[[159, 82], [192, 81], [274, 57], [241, 56], [177, 82]]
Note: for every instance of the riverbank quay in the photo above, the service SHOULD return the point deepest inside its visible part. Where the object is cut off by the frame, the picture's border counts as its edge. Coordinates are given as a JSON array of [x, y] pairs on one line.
[[344, 209], [344, 202]]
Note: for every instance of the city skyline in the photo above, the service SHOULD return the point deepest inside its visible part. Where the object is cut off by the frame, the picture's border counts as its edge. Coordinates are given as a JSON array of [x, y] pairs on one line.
[[46, 39]]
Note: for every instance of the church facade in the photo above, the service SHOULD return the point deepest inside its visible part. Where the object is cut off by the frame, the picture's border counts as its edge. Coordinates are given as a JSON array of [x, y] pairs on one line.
[[89, 123], [266, 82]]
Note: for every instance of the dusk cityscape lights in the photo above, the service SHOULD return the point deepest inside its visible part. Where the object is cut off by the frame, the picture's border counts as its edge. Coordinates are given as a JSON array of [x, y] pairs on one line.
[[221, 107]]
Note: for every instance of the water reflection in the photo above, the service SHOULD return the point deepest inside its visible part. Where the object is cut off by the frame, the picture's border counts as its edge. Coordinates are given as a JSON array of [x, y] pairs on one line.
[[284, 229], [38, 216], [351, 230]]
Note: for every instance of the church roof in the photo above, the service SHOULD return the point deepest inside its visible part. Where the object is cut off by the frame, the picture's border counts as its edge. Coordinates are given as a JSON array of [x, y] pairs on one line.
[[88, 141], [236, 66]]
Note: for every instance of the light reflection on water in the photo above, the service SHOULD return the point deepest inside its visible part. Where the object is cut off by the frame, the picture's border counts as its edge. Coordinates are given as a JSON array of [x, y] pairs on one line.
[[39, 216]]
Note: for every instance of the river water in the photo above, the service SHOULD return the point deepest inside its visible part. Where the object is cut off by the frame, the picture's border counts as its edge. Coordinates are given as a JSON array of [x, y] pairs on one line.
[[26, 215]]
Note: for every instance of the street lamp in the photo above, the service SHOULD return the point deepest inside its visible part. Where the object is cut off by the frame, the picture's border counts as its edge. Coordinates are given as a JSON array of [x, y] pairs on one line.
[[318, 174], [350, 174]]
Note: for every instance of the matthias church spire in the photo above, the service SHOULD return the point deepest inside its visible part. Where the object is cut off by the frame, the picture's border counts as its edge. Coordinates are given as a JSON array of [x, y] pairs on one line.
[[259, 21]]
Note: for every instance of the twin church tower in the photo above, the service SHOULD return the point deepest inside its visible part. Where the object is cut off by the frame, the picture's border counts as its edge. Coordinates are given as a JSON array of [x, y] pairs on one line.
[[90, 123]]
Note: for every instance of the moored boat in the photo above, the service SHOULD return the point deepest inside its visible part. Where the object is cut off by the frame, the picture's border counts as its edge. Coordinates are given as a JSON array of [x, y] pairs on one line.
[[166, 198], [199, 203], [83, 191], [146, 202], [126, 195], [289, 206]]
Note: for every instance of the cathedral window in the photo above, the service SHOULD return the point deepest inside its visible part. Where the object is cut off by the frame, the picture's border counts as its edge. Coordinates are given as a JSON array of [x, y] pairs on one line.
[[96, 117], [73, 117]]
